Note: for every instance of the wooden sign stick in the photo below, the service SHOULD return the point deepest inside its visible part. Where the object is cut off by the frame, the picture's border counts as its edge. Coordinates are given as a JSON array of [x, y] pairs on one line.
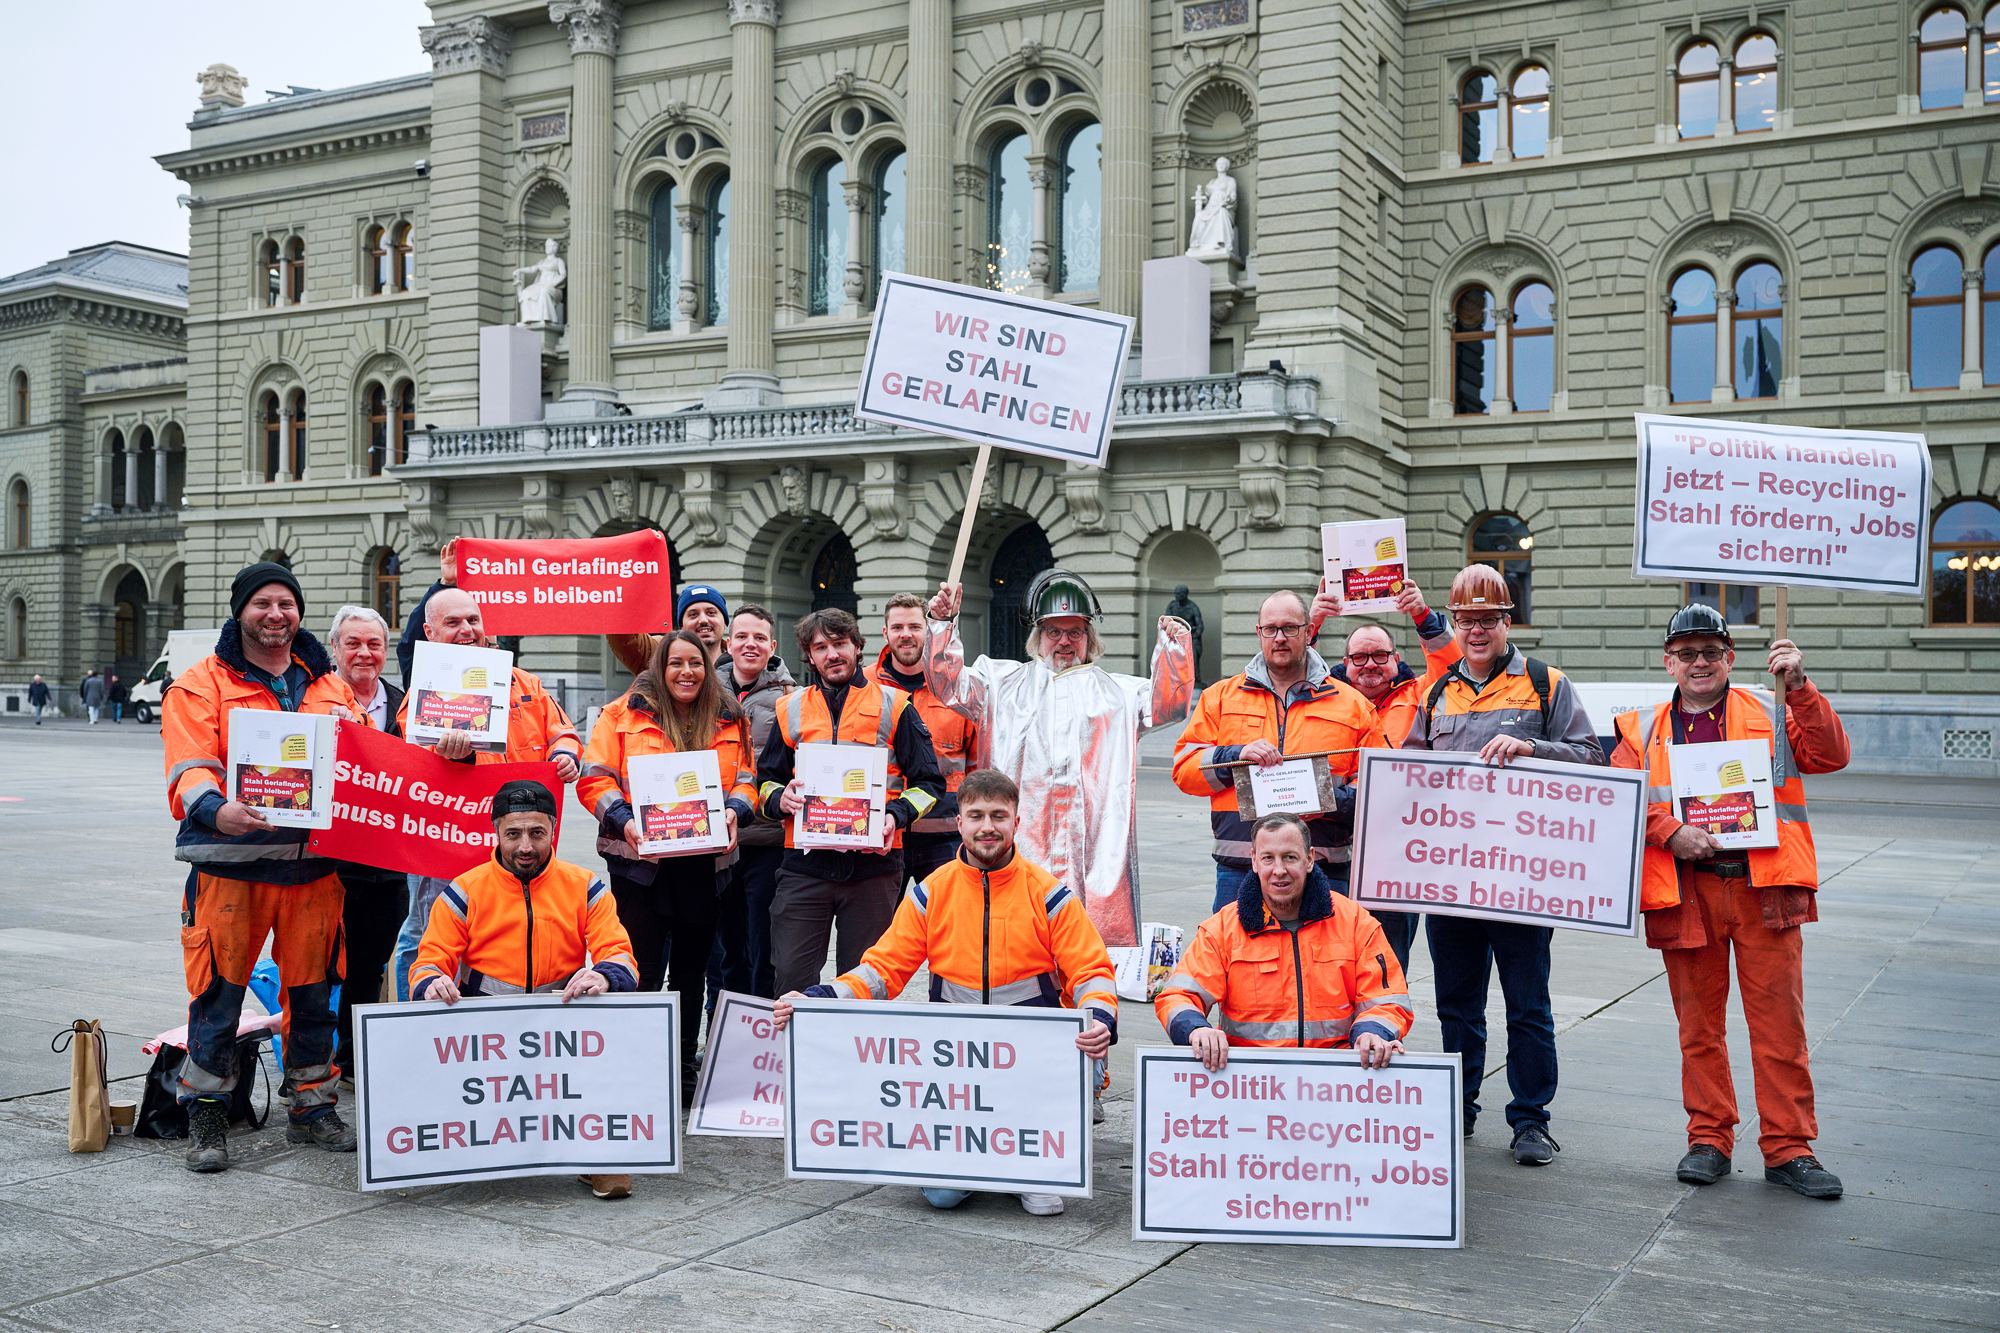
[[971, 507]]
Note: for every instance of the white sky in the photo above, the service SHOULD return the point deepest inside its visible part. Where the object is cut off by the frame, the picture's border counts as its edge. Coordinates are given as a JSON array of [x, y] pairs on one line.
[[94, 89]]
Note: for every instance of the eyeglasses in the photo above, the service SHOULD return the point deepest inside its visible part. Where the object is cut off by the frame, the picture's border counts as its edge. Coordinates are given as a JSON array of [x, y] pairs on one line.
[[1280, 631], [1064, 635], [1371, 659], [1480, 622], [1689, 656]]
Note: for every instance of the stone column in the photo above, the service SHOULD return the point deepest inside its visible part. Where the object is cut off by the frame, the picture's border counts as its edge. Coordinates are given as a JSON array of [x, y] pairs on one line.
[[1503, 360], [132, 469], [592, 28], [855, 281], [1725, 346], [1971, 374], [927, 211], [160, 474], [1128, 152], [287, 455], [688, 217], [1503, 122], [1975, 64], [1725, 98], [101, 500], [751, 379], [464, 259], [1041, 178]]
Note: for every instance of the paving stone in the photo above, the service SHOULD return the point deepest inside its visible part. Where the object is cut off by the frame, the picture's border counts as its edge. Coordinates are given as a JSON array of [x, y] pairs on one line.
[[709, 1296]]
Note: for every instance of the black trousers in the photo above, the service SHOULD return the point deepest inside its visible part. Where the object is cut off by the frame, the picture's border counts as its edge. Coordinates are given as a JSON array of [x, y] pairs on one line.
[[377, 902], [680, 904]]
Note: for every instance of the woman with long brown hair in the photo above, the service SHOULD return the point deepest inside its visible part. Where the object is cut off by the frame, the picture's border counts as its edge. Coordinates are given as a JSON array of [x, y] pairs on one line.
[[676, 706]]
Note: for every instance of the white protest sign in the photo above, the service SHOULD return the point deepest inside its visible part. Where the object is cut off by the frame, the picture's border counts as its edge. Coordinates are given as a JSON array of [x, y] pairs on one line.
[[1141, 969], [741, 1093], [846, 790], [943, 1096], [282, 764], [1724, 788], [1733, 502], [1289, 786], [1301, 1147], [1367, 563], [1038, 376], [516, 1085], [1533, 841], [455, 687]]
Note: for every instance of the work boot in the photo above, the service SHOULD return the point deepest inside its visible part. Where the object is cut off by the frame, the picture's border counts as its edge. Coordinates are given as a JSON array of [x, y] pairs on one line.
[[1532, 1144], [1703, 1165], [208, 1134], [1096, 1108], [690, 1076], [1806, 1176], [329, 1131], [609, 1187], [1042, 1205]]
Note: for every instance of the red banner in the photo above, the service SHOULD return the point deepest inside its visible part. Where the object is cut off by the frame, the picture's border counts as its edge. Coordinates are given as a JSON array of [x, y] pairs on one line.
[[397, 806], [594, 585]]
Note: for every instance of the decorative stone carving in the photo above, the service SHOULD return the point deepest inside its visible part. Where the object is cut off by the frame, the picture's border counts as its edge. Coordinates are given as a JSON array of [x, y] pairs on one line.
[[221, 86], [1260, 477], [792, 491], [969, 181], [1502, 262], [591, 25], [791, 204], [1971, 219], [621, 493], [701, 501], [1031, 53], [474, 45], [1083, 490], [754, 11], [541, 506], [843, 82], [1214, 229], [885, 495], [1724, 241], [541, 297], [424, 512]]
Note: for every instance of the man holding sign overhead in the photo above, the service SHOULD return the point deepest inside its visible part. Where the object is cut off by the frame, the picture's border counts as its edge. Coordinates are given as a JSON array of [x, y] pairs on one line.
[[1702, 896]]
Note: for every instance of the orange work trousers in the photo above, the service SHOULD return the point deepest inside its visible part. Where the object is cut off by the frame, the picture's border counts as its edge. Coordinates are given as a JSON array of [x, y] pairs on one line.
[[231, 920], [1771, 982]]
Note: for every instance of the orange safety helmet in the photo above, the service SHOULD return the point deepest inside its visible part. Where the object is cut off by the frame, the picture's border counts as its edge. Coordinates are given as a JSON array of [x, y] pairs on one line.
[[1479, 588]]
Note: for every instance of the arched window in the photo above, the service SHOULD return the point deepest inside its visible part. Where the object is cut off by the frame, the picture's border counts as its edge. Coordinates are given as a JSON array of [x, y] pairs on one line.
[[274, 441], [125, 630], [1531, 346], [378, 260], [1698, 91], [142, 445], [1478, 118], [1504, 542], [19, 400], [1755, 94], [119, 499], [406, 421], [1529, 104], [1941, 59], [18, 614], [1691, 338], [402, 257], [715, 253], [17, 515], [1937, 318], [1965, 564], [1760, 331], [295, 271], [297, 406], [1989, 300], [1079, 209], [273, 273], [1473, 367], [378, 429], [1990, 56], [388, 577], [891, 207], [1010, 222], [663, 292], [826, 243], [833, 573]]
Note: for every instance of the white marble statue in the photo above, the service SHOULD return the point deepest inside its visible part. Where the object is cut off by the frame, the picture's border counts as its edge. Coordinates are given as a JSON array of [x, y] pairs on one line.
[[541, 299], [1214, 230]]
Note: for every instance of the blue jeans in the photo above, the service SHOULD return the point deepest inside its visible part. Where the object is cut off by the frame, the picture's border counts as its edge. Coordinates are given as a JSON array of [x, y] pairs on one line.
[[1463, 954], [423, 892]]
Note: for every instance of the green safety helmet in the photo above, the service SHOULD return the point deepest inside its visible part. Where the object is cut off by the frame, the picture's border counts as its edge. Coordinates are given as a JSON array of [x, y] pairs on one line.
[[1696, 618], [1057, 592]]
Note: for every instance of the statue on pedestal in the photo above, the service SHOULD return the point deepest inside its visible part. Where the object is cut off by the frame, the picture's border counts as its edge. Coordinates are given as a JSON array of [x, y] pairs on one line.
[[541, 299], [1183, 608], [1214, 229]]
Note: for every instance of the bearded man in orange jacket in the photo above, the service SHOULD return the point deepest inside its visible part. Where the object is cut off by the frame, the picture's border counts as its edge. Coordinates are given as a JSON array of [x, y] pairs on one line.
[[1051, 955]]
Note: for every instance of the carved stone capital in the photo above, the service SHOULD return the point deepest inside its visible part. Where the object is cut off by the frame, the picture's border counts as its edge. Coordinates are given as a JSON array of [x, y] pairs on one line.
[[474, 45], [885, 494], [702, 490], [590, 25], [222, 86], [1260, 477], [791, 204], [424, 512], [1083, 491], [541, 506], [753, 11], [969, 181]]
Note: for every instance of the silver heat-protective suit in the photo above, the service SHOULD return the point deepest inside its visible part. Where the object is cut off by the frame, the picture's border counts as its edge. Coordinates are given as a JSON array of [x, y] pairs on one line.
[[1071, 740]]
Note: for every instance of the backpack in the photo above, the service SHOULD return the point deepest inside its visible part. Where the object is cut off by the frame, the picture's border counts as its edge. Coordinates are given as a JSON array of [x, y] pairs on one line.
[[1538, 676]]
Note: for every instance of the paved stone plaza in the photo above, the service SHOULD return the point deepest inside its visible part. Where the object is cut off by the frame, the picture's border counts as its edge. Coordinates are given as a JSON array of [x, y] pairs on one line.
[[1901, 995]]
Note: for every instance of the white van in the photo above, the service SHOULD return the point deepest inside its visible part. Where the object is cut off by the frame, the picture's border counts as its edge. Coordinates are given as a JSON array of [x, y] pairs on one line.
[[184, 648]]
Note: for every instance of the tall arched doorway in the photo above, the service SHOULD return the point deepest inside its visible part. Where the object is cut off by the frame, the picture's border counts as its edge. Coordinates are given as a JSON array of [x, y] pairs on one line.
[[129, 628], [1185, 559], [834, 570], [1021, 556]]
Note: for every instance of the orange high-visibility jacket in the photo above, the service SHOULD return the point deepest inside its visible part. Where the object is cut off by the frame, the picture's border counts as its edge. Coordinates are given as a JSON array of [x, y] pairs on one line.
[[487, 927], [1814, 740], [1007, 936], [953, 737], [1398, 707], [624, 731], [1242, 959], [1327, 714], [537, 727], [868, 716]]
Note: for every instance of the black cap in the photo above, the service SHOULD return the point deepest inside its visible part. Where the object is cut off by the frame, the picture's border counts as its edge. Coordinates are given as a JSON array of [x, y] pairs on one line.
[[1696, 619], [262, 574], [523, 797]]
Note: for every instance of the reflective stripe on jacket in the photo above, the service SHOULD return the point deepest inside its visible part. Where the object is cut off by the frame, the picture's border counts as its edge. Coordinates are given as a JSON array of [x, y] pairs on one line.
[[1007, 936], [1320, 713], [490, 924], [1310, 987], [537, 727], [605, 788], [868, 716], [1814, 742]]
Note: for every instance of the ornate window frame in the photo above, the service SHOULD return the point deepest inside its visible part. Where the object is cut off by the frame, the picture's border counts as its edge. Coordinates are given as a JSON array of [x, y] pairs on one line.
[[1503, 270], [1726, 31], [1725, 249], [1505, 64]]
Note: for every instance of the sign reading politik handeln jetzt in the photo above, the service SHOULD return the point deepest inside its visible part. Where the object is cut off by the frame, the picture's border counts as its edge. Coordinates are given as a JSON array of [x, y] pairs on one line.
[[592, 585]]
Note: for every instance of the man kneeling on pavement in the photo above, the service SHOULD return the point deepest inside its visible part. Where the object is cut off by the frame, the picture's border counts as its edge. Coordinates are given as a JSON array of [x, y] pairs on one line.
[[484, 923], [1049, 955]]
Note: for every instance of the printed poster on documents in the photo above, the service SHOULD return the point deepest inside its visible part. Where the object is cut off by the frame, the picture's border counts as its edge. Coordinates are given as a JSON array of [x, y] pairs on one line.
[[677, 799], [454, 687], [282, 765], [1724, 788], [1367, 563], [846, 790], [1285, 787]]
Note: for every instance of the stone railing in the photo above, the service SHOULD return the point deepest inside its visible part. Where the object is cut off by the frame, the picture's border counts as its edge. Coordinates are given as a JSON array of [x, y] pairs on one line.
[[1174, 398]]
